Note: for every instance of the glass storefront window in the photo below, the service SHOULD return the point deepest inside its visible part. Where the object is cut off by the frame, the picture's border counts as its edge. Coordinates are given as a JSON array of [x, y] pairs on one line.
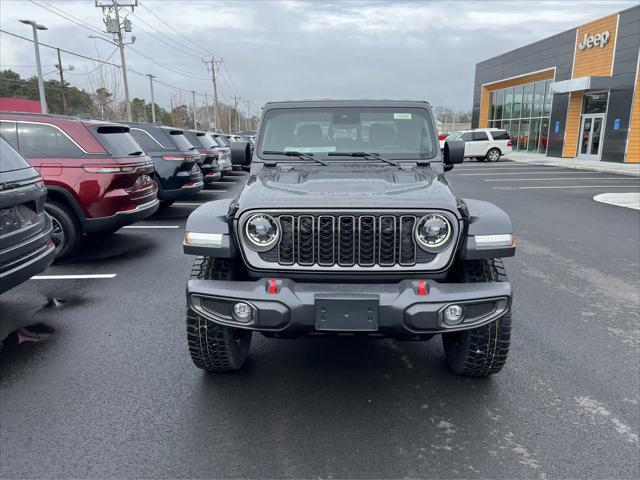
[[527, 98], [544, 135], [517, 102], [547, 98], [523, 141], [538, 99], [492, 107], [523, 111], [514, 134], [534, 133], [508, 102], [499, 99]]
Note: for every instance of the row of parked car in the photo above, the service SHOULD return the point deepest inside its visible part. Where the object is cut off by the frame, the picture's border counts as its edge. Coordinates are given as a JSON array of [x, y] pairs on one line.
[[63, 177]]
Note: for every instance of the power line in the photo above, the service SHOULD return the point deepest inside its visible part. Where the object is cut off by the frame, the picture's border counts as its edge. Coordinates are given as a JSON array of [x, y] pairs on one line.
[[62, 49], [102, 62], [162, 65], [161, 40], [176, 32], [98, 67], [66, 16]]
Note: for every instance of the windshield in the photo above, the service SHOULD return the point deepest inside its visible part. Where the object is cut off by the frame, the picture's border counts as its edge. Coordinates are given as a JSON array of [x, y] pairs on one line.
[[400, 133]]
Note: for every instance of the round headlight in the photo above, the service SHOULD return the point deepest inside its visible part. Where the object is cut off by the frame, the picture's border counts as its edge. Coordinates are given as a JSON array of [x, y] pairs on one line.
[[433, 232], [261, 231]]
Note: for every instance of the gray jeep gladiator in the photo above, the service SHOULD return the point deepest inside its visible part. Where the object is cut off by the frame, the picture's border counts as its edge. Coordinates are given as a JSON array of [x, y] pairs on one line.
[[348, 225]]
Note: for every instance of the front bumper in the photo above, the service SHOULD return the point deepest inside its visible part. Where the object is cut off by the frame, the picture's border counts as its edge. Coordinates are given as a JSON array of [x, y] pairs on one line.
[[396, 309]]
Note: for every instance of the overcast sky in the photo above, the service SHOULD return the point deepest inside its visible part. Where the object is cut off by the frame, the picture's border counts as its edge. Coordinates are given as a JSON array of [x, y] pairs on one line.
[[297, 49]]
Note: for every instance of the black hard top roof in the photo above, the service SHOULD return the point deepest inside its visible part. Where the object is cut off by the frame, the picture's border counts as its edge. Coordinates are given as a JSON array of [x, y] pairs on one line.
[[348, 103]]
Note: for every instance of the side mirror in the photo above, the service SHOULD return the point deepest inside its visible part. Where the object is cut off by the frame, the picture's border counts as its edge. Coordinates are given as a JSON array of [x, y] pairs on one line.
[[453, 153], [240, 153]]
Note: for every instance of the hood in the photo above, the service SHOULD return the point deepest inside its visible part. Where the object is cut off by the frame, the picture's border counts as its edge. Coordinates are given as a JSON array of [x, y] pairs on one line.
[[347, 186]]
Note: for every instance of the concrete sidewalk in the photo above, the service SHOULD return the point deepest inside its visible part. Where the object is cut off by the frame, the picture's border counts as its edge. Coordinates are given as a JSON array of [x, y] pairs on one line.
[[608, 167]]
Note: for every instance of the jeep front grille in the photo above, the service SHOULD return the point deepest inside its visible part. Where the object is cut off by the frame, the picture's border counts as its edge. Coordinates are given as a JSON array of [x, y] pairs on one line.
[[345, 240]]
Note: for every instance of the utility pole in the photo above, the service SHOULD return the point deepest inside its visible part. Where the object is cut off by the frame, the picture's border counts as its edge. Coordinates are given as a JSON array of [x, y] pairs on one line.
[[206, 111], [216, 105], [65, 109], [193, 93], [115, 27], [248, 102], [36, 27], [229, 119], [153, 102], [235, 107]]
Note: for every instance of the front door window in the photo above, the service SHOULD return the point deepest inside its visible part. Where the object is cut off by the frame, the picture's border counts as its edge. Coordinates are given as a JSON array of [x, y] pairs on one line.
[[595, 136], [586, 135]]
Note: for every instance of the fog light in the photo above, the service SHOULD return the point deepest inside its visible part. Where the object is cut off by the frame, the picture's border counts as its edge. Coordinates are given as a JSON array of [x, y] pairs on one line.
[[453, 314], [242, 312]]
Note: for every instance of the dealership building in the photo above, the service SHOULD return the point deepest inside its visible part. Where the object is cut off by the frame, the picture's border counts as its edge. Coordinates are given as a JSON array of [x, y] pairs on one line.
[[573, 95]]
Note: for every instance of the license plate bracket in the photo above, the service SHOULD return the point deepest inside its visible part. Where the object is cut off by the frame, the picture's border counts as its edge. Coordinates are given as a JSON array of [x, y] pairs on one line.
[[346, 314]]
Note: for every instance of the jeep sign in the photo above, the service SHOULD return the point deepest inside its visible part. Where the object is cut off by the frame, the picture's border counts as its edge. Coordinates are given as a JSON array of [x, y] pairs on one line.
[[597, 40]]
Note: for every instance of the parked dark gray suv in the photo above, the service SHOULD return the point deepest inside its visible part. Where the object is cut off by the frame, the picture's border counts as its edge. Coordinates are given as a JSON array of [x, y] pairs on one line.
[[26, 248], [175, 160], [348, 225]]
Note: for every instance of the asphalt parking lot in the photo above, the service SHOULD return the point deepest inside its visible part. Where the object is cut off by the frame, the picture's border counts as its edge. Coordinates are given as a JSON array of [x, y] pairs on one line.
[[110, 390]]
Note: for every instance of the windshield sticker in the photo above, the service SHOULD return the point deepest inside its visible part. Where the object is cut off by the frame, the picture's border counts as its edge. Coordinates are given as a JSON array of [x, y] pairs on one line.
[[310, 149], [402, 116]]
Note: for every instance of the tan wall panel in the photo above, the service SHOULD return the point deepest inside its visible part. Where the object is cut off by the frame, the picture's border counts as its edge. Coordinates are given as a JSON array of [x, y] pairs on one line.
[[483, 121], [633, 146], [595, 61], [571, 132]]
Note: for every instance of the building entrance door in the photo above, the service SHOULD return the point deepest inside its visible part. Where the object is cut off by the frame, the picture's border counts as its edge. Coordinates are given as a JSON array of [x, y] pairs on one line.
[[591, 135]]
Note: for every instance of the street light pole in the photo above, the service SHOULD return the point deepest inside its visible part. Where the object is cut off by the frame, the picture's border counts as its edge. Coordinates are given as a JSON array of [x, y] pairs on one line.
[[36, 27], [193, 93], [153, 103]]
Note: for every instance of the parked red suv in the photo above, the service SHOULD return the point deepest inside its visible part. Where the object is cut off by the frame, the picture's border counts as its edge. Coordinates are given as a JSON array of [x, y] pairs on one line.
[[98, 179]]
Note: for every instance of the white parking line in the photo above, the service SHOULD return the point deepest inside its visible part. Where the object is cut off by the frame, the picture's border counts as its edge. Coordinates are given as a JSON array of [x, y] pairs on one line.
[[189, 204], [557, 178], [152, 226], [503, 165], [546, 172], [572, 186], [74, 277]]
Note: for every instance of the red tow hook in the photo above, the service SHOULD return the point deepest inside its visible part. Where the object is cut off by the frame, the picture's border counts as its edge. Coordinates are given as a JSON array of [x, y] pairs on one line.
[[422, 288], [272, 288]]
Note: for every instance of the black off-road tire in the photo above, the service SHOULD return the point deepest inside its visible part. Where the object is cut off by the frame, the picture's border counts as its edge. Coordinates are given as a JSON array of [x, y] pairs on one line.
[[213, 347], [493, 155], [67, 232], [481, 351]]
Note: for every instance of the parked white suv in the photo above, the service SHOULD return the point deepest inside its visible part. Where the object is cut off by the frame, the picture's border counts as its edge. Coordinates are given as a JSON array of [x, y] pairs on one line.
[[482, 143]]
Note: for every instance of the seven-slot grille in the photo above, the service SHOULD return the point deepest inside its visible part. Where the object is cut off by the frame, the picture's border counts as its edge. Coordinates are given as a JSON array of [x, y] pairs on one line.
[[347, 240]]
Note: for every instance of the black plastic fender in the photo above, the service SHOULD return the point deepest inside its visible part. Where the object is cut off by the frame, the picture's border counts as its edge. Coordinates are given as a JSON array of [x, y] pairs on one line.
[[485, 219], [211, 218]]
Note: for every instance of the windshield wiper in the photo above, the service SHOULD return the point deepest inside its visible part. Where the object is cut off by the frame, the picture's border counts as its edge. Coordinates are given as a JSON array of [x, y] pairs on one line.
[[136, 153], [305, 156], [363, 155]]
